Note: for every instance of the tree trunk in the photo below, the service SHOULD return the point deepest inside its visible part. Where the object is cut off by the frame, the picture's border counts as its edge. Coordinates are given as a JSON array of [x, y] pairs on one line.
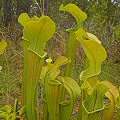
[[0, 4], [46, 6], [19, 6], [7, 10], [26, 6], [82, 5], [29, 2]]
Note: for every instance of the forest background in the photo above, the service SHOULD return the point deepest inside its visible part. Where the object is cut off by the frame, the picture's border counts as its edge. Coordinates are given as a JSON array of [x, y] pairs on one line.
[[103, 20]]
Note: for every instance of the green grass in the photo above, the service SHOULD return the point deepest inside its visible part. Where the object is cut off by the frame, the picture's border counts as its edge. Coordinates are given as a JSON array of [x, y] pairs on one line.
[[110, 72]]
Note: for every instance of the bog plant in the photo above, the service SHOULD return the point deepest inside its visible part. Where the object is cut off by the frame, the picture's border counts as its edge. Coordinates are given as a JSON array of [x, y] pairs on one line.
[[36, 32], [3, 45]]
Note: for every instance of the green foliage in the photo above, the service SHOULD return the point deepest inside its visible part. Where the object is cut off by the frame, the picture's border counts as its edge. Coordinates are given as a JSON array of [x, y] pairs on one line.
[[58, 110], [118, 105], [72, 42], [36, 32], [3, 45], [94, 51], [7, 113], [79, 15], [93, 106], [112, 94], [73, 89]]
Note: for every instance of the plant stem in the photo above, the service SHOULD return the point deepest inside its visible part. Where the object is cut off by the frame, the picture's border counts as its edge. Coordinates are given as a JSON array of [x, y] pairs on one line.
[[72, 44], [32, 70]]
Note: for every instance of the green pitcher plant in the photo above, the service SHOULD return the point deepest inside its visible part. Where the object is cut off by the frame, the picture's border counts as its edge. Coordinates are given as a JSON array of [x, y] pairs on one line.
[[72, 42], [55, 88], [92, 92], [118, 105], [3, 45], [53, 107], [9, 113], [36, 32]]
